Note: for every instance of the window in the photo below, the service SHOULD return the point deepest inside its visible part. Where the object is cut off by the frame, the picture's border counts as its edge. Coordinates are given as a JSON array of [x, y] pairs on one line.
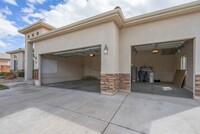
[[37, 33], [33, 35], [15, 56], [184, 63], [15, 65], [28, 36]]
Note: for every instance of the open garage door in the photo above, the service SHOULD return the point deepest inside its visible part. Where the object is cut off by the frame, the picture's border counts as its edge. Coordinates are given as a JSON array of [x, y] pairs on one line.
[[156, 68], [73, 69]]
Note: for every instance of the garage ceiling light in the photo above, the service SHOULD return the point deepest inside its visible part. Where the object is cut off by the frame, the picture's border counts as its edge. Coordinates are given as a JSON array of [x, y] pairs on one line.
[[155, 51], [92, 55]]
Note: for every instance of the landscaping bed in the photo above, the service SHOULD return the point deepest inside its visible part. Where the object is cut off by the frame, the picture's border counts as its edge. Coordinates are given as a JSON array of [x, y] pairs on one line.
[[2, 87], [9, 77]]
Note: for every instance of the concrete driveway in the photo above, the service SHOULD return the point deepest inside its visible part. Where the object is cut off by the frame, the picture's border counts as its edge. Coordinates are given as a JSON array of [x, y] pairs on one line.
[[28, 109]]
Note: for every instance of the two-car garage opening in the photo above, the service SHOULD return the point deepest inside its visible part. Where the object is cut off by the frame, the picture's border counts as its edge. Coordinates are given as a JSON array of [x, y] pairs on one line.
[[163, 68], [77, 69]]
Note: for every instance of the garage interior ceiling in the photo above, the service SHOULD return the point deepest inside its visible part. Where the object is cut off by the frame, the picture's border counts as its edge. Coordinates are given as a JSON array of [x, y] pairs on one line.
[[160, 46], [79, 52]]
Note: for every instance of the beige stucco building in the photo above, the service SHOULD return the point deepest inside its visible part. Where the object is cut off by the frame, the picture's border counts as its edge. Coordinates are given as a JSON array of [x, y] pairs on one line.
[[17, 60], [62, 54], [4, 62]]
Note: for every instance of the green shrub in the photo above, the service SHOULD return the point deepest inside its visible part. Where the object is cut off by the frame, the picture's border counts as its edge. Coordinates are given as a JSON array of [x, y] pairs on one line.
[[2, 87], [5, 73], [21, 74]]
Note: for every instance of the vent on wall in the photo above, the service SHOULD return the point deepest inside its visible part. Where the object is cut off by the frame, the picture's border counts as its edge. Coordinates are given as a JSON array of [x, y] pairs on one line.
[[169, 51]]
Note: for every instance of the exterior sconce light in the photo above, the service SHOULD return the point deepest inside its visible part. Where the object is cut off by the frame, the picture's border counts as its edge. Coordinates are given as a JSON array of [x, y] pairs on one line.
[[105, 50], [35, 59], [179, 51]]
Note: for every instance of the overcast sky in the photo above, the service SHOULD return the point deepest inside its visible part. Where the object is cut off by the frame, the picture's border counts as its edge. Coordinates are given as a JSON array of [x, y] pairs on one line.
[[15, 14]]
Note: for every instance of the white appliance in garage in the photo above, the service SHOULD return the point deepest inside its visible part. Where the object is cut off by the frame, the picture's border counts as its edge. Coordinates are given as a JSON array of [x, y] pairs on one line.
[[133, 73], [146, 74], [151, 77]]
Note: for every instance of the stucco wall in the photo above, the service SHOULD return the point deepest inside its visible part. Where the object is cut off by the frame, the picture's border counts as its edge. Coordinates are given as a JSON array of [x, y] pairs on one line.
[[171, 29], [92, 66], [107, 33], [20, 59], [29, 52], [4, 62], [118, 59], [188, 52], [4, 65], [197, 54], [36, 33], [72, 68], [67, 69], [163, 65]]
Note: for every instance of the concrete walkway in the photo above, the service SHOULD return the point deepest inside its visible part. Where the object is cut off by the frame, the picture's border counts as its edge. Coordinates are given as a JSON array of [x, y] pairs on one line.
[[46, 110]]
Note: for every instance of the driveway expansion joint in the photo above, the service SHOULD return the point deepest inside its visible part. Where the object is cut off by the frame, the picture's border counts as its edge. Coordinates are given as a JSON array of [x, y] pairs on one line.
[[128, 128], [109, 122], [115, 114], [75, 112]]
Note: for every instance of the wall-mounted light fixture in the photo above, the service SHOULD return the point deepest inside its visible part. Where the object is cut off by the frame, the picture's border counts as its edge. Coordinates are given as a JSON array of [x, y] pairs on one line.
[[35, 59], [179, 51], [105, 50]]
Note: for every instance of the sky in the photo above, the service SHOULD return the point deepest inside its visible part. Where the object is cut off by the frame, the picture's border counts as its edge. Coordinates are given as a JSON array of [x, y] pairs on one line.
[[16, 14]]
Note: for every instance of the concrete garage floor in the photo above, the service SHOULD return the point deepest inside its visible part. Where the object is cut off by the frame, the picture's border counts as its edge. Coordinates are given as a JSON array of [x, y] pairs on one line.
[[161, 88], [46, 110], [91, 85]]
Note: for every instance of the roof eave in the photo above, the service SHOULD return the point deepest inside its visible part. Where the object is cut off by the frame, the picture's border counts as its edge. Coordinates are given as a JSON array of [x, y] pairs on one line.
[[5, 58], [15, 51], [117, 16], [35, 26], [162, 14], [114, 15]]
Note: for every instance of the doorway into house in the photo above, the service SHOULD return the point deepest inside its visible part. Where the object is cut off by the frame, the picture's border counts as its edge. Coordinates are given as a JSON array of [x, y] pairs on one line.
[[73, 69], [163, 68]]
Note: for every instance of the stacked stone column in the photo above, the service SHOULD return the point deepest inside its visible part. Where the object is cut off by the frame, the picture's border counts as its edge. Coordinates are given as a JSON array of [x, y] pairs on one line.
[[197, 86], [112, 83], [36, 74]]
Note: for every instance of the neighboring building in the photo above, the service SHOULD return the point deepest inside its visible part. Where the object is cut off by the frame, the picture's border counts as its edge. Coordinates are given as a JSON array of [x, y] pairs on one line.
[[4, 62], [162, 41], [17, 60]]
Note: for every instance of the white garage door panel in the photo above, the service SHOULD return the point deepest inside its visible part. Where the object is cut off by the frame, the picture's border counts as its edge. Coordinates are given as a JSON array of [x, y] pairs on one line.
[[49, 66]]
